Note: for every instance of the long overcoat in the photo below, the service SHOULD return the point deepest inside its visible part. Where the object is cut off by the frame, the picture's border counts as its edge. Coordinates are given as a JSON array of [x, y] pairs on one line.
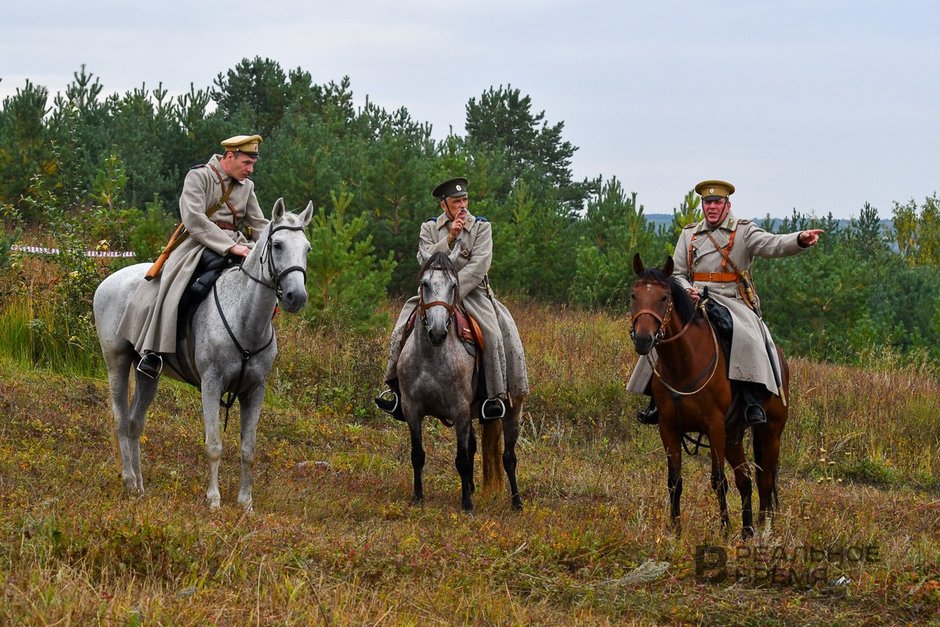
[[503, 355], [151, 315], [752, 347]]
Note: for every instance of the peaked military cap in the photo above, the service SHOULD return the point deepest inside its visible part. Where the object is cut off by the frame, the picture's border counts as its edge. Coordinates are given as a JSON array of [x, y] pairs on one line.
[[713, 187], [453, 188], [247, 144]]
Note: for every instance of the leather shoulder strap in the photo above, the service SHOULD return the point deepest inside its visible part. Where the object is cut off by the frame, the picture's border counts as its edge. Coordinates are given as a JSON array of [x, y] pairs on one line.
[[226, 194]]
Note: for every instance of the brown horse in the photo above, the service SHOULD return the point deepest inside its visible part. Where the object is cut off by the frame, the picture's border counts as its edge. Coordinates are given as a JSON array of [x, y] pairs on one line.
[[694, 395]]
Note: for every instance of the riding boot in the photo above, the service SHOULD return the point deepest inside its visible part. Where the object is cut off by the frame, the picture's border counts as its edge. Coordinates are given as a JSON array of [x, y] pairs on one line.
[[650, 415], [150, 364], [754, 413], [390, 401], [493, 409]]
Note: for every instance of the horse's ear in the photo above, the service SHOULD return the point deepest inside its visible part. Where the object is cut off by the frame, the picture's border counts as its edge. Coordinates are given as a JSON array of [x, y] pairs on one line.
[[278, 212], [637, 264], [307, 214], [669, 266]]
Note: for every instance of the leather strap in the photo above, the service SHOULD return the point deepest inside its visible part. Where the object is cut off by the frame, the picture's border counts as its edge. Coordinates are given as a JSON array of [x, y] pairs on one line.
[[226, 194], [715, 277]]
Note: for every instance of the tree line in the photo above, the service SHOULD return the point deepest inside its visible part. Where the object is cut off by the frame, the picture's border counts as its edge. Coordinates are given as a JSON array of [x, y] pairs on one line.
[[101, 169]]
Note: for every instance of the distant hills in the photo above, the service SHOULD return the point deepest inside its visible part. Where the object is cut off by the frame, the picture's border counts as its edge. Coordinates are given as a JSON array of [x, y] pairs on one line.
[[665, 219]]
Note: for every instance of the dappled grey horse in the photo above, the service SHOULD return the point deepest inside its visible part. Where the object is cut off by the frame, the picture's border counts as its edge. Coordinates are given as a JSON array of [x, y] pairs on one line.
[[436, 378], [229, 349]]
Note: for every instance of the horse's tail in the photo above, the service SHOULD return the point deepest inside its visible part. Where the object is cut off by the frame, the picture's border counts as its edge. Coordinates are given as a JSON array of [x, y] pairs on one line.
[[493, 456]]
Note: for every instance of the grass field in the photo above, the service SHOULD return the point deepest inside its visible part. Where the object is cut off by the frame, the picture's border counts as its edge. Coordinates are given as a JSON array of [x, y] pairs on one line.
[[333, 539]]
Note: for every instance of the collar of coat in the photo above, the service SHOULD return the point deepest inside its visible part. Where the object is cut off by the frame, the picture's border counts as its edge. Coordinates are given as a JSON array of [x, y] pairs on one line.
[[443, 220], [730, 223]]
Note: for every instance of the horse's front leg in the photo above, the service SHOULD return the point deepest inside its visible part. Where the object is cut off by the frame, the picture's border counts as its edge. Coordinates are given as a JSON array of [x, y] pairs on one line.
[[466, 447], [672, 442], [250, 404], [211, 393], [742, 480], [417, 456]]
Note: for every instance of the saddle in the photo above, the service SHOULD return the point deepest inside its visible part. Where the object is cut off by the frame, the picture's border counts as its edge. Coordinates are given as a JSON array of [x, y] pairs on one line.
[[210, 267], [720, 319], [468, 330]]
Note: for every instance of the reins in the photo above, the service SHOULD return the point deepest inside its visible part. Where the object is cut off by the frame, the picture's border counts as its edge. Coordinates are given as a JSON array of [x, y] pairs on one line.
[[229, 396], [660, 338]]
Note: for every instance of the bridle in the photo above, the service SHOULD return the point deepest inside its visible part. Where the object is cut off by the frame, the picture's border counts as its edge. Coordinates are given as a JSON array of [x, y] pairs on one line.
[[267, 261], [423, 308], [659, 339]]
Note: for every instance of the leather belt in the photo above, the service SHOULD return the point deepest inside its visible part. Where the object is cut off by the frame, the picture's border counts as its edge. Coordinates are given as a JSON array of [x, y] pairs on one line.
[[245, 229], [715, 277], [228, 226]]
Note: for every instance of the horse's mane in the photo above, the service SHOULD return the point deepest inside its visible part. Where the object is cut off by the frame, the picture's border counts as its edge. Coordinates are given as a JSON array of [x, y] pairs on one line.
[[441, 261], [681, 301]]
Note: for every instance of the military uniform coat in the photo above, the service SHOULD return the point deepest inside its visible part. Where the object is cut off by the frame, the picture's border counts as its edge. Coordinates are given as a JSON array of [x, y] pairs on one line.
[[751, 344], [151, 315], [503, 355]]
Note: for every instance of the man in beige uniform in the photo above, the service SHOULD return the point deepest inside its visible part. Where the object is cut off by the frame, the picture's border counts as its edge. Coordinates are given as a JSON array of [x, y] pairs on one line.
[[151, 315], [716, 253], [456, 230]]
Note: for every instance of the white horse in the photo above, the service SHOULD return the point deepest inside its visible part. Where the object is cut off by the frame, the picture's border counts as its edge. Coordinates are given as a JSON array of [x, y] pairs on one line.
[[436, 377], [229, 348]]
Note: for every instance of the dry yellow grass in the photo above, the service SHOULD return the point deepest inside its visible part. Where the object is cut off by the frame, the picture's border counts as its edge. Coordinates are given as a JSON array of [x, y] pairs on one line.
[[334, 540]]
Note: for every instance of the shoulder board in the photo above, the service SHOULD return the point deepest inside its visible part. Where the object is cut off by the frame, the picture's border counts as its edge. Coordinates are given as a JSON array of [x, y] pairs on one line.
[[744, 221], [690, 226], [197, 166], [431, 220], [481, 219]]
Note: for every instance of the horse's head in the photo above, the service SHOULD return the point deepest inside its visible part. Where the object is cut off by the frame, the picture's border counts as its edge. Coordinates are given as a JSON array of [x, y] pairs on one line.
[[439, 292], [283, 255], [652, 302]]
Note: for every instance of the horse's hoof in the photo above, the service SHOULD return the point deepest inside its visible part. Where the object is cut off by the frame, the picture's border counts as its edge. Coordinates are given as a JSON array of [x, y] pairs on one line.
[[517, 503], [747, 533], [214, 502], [417, 500]]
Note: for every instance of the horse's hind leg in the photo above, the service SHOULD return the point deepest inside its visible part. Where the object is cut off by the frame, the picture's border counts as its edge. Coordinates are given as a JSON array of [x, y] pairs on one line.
[[130, 429], [716, 439], [119, 363], [510, 437], [210, 416], [742, 480], [767, 458], [250, 404]]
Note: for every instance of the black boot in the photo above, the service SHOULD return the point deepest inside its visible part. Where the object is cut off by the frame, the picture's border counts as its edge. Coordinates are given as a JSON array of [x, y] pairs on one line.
[[492, 409], [650, 415], [754, 413], [390, 401], [150, 364]]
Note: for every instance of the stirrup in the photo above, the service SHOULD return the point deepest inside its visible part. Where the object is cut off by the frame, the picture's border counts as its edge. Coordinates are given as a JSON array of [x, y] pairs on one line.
[[492, 409], [755, 415], [387, 401], [145, 368], [648, 416]]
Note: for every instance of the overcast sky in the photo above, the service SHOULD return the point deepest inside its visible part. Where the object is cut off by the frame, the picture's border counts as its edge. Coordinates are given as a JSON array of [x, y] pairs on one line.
[[817, 105]]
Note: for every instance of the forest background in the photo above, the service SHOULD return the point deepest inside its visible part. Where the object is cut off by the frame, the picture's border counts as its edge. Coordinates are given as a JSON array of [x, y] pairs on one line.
[[84, 169], [333, 539]]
